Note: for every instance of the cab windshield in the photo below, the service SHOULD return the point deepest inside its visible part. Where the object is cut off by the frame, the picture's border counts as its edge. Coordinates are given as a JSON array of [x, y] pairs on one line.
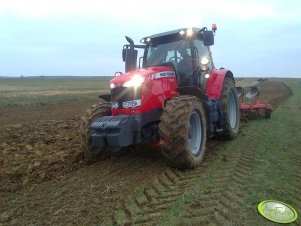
[[167, 52], [176, 54]]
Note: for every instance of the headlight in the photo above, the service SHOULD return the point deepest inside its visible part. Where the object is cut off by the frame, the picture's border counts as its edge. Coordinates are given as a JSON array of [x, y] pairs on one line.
[[118, 73], [134, 82], [182, 32], [204, 60], [189, 32], [112, 85]]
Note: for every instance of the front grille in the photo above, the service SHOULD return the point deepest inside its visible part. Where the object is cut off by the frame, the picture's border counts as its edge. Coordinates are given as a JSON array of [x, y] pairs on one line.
[[121, 94]]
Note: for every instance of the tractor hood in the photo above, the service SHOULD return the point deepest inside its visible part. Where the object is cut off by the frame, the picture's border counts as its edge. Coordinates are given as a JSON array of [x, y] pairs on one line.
[[140, 75]]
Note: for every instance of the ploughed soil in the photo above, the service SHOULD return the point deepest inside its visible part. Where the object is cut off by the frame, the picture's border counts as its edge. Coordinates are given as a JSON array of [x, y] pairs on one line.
[[44, 179]]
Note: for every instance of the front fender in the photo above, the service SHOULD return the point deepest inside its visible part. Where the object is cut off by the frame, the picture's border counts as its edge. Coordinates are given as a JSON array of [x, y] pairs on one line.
[[216, 81]]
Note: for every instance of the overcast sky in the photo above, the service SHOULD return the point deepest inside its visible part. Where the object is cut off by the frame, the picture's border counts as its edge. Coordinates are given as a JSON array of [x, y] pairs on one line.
[[76, 37]]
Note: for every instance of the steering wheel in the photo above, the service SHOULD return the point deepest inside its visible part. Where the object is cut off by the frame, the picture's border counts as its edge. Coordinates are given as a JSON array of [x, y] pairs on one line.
[[175, 59]]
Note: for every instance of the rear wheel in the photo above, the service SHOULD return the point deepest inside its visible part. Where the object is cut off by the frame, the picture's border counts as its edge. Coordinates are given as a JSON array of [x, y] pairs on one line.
[[230, 109], [183, 132]]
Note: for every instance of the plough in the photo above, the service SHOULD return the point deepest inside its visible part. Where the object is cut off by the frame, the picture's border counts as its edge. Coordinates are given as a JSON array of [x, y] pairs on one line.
[[255, 106]]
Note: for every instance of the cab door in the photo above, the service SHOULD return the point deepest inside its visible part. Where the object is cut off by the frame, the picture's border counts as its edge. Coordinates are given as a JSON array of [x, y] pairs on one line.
[[203, 63]]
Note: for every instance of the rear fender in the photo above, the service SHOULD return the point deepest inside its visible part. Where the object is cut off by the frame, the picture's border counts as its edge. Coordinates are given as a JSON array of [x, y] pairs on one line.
[[216, 81]]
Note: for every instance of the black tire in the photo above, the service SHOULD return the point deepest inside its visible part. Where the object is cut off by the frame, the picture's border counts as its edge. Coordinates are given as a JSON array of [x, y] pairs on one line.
[[229, 103], [178, 121], [92, 154]]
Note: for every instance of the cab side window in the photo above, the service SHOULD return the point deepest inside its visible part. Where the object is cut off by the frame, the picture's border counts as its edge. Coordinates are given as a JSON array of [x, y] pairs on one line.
[[202, 51]]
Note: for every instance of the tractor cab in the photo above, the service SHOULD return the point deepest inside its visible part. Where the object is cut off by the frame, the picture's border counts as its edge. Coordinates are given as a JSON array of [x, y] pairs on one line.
[[186, 51]]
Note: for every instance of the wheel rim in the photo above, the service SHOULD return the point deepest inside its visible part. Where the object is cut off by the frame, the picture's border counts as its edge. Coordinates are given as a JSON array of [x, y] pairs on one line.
[[194, 133], [232, 109]]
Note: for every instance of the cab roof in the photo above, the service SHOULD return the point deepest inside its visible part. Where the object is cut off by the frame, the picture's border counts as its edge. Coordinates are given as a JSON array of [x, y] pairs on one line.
[[170, 36], [173, 32]]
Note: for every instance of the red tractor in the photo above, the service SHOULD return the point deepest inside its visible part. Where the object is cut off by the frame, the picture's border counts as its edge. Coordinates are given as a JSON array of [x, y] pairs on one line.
[[176, 97]]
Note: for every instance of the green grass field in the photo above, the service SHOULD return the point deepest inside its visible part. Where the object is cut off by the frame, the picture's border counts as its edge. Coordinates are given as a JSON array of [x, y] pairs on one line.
[[30, 91]]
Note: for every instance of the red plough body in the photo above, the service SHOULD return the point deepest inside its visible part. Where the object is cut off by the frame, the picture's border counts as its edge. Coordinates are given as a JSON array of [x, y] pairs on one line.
[[256, 106]]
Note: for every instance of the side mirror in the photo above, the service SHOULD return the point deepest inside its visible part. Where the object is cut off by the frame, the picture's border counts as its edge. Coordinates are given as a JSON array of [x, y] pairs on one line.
[[118, 73], [207, 37]]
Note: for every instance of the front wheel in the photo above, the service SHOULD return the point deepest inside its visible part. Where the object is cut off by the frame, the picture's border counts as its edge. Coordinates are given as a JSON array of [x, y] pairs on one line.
[[92, 154], [183, 132], [230, 109]]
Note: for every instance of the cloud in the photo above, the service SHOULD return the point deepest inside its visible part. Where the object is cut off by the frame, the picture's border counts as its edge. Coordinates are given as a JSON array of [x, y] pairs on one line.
[[87, 36], [154, 15], [134, 10]]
